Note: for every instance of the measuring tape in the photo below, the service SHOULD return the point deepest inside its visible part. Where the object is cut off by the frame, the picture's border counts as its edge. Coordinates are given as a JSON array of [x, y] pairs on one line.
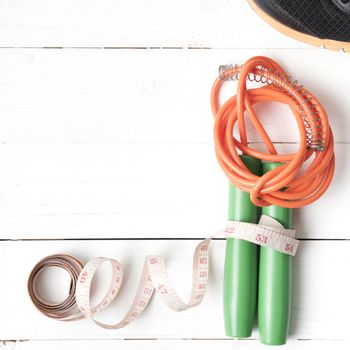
[[269, 233]]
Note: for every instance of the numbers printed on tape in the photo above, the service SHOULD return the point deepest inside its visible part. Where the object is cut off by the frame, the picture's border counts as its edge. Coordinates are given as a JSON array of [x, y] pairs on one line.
[[154, 276], [268, 233], [261, 238], [289, 247]]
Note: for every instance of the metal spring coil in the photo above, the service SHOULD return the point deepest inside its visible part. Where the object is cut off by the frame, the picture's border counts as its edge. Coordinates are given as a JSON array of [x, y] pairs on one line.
[[307, 106]]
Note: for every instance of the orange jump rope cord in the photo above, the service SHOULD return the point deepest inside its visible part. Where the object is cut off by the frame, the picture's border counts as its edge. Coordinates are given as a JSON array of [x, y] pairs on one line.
[[302, 186]]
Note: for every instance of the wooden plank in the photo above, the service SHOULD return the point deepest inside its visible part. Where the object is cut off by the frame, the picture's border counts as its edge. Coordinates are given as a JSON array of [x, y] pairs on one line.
[[135, 23], [160, 344], [135, 190], [320, 295], [149, 96]]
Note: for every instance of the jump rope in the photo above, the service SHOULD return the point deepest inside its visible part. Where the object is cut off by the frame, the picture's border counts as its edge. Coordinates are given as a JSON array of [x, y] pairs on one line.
[[259, 248]]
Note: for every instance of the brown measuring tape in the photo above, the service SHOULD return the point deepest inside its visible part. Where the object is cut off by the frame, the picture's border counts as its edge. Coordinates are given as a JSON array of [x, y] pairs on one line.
[[66, 310]]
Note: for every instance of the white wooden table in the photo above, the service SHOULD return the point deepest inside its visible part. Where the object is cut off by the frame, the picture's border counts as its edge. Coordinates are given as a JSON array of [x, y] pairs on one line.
[[106, 149]]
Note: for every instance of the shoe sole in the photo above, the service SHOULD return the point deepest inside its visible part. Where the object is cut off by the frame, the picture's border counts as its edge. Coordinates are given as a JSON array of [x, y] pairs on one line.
[[309, 39]]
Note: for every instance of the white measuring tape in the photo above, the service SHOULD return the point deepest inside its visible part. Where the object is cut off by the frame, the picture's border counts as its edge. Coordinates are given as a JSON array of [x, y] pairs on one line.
[[269, 233]]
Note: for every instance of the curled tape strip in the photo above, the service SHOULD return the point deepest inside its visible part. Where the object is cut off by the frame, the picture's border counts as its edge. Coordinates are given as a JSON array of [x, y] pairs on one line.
[[154, 276]]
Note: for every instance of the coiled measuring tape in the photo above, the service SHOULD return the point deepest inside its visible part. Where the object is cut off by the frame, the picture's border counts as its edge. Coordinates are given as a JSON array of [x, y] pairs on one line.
[[269, 233]]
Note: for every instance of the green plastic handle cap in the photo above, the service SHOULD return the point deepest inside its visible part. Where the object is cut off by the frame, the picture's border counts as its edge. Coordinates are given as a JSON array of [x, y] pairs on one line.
[[274, 301], [240, 273]]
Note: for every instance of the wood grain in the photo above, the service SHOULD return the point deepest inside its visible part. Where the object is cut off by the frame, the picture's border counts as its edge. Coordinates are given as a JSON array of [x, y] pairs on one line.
[[161, 344], [136, 190], [136, 23], [320, 302], [148, 96], [106, 132]]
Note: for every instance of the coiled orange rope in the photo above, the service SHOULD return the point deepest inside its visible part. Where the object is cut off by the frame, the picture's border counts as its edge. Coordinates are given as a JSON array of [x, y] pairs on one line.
[[301, 184]]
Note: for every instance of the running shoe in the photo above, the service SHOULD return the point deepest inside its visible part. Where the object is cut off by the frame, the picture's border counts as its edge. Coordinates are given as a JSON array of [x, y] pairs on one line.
[[318, 22]]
